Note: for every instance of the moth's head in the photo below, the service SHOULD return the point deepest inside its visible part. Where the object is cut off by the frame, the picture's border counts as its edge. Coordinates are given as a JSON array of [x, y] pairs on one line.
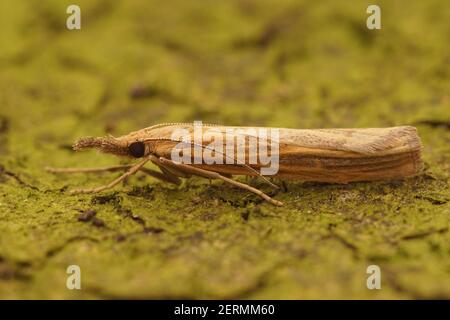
[[117, 146]]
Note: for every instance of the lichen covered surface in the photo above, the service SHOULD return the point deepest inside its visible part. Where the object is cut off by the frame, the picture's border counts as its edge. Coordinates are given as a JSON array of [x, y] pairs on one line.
[[298, 64]]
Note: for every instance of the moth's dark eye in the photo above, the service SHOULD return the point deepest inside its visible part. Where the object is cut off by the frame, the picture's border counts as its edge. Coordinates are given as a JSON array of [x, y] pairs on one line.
[[136, 149]]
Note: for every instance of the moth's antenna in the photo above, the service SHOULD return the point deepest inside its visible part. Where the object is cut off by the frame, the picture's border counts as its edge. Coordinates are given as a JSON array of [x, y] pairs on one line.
[[168, 124]]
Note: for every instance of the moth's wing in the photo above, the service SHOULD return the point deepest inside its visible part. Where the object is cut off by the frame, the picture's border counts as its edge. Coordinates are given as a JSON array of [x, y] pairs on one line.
[[330, 155], [368, 141], [364, 141]]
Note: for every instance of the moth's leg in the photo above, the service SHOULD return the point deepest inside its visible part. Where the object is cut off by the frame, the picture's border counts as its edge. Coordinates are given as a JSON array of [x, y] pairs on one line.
[[164, 176], [89, 170], [155, 174], [214, 175], [133, 169], [169, 169]]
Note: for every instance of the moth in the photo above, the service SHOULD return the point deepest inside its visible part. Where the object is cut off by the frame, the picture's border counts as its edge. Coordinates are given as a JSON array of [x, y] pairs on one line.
[[322, 155]]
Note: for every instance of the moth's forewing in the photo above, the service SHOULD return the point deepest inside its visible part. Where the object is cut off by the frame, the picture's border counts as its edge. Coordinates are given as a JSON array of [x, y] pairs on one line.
[[324, 155]]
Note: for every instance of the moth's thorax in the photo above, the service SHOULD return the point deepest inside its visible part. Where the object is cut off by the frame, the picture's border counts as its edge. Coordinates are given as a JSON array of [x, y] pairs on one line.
[[150, 147], [161, 148]]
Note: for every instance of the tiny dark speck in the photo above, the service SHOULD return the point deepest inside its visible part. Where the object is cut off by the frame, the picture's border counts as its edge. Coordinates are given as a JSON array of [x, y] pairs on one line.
[[153, 230], [87, 215], [98, 222]]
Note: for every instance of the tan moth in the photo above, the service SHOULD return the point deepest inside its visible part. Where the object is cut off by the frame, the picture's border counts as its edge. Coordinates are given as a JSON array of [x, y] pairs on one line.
[[322, 155]]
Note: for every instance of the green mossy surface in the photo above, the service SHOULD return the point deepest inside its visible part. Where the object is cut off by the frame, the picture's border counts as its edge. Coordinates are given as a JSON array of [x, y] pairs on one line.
[[300, 64]]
